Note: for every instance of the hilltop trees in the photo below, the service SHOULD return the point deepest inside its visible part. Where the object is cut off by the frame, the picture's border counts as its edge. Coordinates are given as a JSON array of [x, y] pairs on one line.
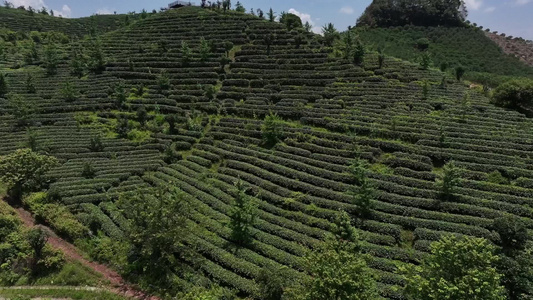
[[291, 21], [330, 34], [271, 15], [353, 48], [459, 268], [386, 13]]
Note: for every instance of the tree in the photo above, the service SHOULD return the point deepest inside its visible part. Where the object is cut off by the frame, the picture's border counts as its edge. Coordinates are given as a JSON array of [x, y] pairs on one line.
[[163, 81], [273, 282], [172, 120], [425, 60], [88, 170], [459, 268], [37, 239], [123, 127], [513, 233], [308, 27], [271, 15], [96, 57], [337, 268], [142, 115], [517, 274], [186, 53], [381, 58], [69, 92], [358, 52], [330, 34], [362, 191], [3, 85], [77, 63], [272, 129], [459, 72], [51, 58], [95, 144], [449, 180], [205, 49], [239, 7], [21, 108], [269, 40], [120, 95], [23, 169], [242, 215], [387, 13], [516, 93], [30, 85], [159, 222], [291, 21], [31, 54], [210, 91], [260, 13]]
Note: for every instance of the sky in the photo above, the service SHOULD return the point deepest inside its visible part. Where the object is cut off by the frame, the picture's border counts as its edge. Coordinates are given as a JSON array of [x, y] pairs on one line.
[[513, 17]]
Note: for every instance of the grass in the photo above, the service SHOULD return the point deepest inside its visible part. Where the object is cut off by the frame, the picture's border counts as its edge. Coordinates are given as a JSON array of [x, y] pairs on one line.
[[28, 293]]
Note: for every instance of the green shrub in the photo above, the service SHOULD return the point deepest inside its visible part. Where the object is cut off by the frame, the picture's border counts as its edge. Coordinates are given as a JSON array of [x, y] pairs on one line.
[[514, 93]]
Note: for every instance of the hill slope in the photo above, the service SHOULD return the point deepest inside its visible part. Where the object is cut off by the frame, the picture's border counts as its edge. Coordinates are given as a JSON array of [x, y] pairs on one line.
[[331, 108], [24, 21], [514, 46], [467, 47]]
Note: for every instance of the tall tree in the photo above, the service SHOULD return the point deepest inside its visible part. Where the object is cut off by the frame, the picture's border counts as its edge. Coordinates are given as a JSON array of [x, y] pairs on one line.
[[362, 191], [459, 268], [271, 15], [51, 58], [330, 34], [449, 180], [337, 269], [3, 85], [243, 214], [23, 169]]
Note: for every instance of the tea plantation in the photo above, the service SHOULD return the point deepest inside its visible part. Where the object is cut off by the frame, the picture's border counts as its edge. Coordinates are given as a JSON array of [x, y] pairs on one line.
[[181, 98]]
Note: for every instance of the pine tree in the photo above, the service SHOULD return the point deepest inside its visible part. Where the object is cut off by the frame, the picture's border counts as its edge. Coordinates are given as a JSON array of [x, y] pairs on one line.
[[243, 214], [362, 192]]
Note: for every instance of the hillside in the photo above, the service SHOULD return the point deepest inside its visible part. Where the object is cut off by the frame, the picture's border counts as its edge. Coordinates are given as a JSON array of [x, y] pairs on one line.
[[164, 112], [514, 46], [456, 46], [23, 21]]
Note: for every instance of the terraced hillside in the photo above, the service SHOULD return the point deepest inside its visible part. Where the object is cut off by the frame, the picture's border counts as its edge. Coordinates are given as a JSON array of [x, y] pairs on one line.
[[154, 97], [455, 46], [25, 21], [514, 46]]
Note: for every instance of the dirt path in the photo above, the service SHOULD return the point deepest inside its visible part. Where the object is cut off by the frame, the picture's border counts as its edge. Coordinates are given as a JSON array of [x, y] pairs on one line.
[[119, 285]]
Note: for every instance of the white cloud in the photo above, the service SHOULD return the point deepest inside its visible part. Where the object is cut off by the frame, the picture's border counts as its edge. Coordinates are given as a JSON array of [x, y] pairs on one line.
[[306, 18], [65, 12], [104, 11], [522, 2], [490, 9], [346, 10], [27, 3], [476, 4]]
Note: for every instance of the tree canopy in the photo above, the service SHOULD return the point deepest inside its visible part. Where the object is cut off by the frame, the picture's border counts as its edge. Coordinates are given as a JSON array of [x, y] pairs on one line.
[[385, 13]]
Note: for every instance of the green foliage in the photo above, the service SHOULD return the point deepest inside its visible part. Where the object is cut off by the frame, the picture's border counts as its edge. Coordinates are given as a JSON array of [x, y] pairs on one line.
[[460, 268], [362, 192], [517, 274], [96, 61], [30, 84], [422, 44], [273, 282], [239, 7], [77, 63], [497, 178], [51, 58], [205, 49], [142, 115], [21, 108], [330, 34], [88, 170], [513, 233], [69, 92], [337, 269], [95, 144], [352, 48], [271, 15], [120, 95], [158, 224], [3, 85], [212, 293], [272, 129], [386, 13], [210, 91], [449, 180], [514, 94], [186, 53], [23, 170], [243, 214], [425, 60], [291, 21], [123, 127], [171, 155], [459, 72], [425, 89]]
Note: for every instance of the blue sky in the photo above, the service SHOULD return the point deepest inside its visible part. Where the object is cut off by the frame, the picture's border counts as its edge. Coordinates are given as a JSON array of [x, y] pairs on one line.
[[514, 17]]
